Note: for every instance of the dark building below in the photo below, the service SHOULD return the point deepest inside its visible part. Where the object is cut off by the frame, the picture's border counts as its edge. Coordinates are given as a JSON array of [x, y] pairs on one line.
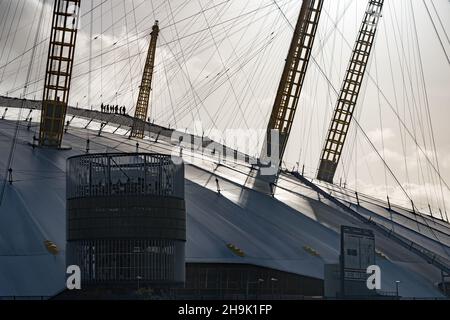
[[215, 281]]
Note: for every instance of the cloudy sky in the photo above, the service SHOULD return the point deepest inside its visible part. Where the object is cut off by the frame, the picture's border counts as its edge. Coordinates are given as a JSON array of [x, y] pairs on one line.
[[219, 63]]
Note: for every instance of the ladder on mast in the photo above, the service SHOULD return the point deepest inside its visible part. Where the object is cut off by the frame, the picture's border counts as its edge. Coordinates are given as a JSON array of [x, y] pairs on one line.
[[348, 97]]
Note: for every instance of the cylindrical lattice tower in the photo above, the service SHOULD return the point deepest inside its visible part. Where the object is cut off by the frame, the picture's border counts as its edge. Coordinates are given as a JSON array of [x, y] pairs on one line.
[[126, 219]]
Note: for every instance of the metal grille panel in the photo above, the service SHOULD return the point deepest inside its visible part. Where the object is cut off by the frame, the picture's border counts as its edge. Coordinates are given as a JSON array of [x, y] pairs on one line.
[[124, 261]]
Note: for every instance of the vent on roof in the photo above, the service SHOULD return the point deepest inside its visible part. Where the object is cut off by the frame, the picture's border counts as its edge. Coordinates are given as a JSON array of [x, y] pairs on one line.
[[236, 250], [311, 251], [381, 254], [51, 247]]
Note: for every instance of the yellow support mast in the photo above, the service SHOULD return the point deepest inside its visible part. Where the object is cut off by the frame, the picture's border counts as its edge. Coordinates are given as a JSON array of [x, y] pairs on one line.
[[140, 115], [293, 76], [348, 97], [58, 72]]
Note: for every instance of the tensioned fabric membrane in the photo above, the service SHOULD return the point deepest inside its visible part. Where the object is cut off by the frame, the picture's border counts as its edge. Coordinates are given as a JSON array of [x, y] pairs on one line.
[[277, 232]]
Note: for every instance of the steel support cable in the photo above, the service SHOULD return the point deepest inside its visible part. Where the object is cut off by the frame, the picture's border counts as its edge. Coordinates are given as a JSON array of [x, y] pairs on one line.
[[114, 59], [16, 131], [427, 110], [189, 52], [330, 70], [351, 153], [216, 79], [26, 44], [404, 191], [226, 70], [221, 23], [413, 98], [211, 90], [241, 65], [357, 145], [144, 32], [101, 47], [136, 29], [13, 42], [270, 82], [315, 80], [247, 89], [43, 52], [196, 43], [376, 150], [427, 104], [227, 31], [106, 52], [440, 21], [218, 86], [128, 48], [437, 32], [403, 66], [391, 107], [8, 33], [14, 37], [194, 15], [247, 86], [249, 59], [396, 102], [140, 51], [227, 34], [380, 114], [183, 57], [417, 108], [170, 95], [357, 123], [381, 126], [322, 43], [166, 76], [344, 40], [248, 52], [193, 90], [82, 74], [40, 52], [114, 52], [209, 86], [43, 41], [126, 58], [91, 34], [5, 16], [125, 44], [90, 11]]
